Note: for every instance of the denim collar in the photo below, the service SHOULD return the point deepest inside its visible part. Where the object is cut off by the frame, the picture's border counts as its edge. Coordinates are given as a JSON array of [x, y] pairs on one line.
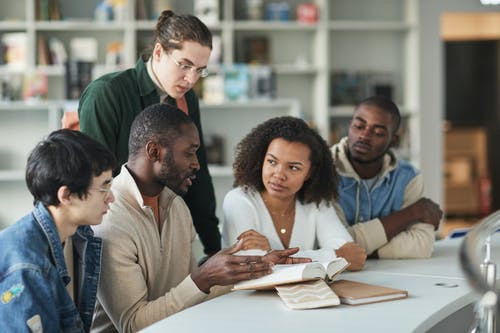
[[48, 226]]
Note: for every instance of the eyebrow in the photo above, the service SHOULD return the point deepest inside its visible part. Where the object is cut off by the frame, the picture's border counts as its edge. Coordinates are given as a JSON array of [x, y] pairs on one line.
[[192, 63], [376, 125], [107, 181], [291, 163]]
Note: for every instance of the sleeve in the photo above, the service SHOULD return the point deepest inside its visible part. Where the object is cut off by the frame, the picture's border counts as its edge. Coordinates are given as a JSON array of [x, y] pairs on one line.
[[123, 290], [27, 301], [240, 215], [98, 114], [330, 234], [201, 196], [370, 235], [417, 241]]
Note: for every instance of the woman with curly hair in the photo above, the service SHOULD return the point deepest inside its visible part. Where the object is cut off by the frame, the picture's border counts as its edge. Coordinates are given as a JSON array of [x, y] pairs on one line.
[[285, 187]]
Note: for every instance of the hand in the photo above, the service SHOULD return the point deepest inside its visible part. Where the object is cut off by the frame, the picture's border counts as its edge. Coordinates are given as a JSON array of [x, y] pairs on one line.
[[224, 268], [283, 257], [428, 211], [354, 254], [254, 240]]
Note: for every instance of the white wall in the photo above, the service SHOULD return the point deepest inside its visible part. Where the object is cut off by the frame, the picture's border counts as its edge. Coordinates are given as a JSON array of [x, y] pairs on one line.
[[432, 99]]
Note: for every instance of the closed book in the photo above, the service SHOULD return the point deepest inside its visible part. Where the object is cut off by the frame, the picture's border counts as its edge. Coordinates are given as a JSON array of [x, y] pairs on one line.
[[286, 274], [357, 293], [307, 295]]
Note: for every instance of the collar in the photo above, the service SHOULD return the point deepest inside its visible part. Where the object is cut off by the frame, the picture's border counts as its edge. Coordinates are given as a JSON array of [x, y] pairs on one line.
[[345, 168], [43, 218], [144, 81], [124, 186]]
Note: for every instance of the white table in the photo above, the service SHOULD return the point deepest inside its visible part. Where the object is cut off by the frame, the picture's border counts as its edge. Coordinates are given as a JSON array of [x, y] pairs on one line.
[[438, 295]]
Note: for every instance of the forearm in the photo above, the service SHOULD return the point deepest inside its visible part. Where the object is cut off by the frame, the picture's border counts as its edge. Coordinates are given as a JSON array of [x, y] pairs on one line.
[[131, 316], [415, 242], [370, 235]]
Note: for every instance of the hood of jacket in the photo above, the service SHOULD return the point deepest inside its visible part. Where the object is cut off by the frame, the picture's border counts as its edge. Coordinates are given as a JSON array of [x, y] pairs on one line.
[[345, 168]]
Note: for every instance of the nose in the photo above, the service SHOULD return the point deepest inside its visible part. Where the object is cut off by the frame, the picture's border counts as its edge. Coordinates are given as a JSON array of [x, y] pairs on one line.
[[279, 172], [110, 198], [195, 165]]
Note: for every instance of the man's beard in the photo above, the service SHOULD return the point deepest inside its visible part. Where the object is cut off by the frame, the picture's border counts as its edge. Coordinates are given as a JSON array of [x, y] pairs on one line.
[[170, 176]]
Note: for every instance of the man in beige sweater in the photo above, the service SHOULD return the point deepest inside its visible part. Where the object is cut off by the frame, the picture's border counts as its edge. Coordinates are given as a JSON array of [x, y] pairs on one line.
[[148, 270]]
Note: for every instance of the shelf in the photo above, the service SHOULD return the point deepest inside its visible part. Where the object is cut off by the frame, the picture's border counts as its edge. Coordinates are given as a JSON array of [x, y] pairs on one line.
[[51, 70], [369, 25], [273, 25], [12, 69], [22, 105], [270, 104], [148, 25], [346, 111], [220, 170], [290, 69], [12, 175], [12, 26], [83, 25]]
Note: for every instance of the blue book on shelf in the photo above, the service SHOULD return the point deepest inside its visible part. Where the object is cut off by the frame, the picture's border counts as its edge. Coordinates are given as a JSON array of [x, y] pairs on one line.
[[236, 83]]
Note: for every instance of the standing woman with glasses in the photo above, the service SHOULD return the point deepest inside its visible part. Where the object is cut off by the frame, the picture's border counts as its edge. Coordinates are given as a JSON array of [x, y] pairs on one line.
[[177, 58]]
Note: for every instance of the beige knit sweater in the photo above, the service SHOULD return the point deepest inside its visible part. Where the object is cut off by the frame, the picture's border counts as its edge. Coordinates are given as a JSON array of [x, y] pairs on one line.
[[145, 275]]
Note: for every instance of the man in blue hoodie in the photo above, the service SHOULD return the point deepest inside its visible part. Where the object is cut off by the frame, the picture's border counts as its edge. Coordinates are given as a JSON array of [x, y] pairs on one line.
[[49, 259], [381, 197]]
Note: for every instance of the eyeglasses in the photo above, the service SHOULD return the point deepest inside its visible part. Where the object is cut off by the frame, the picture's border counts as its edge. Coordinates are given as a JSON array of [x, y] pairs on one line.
[[106, 190], [202, 72]]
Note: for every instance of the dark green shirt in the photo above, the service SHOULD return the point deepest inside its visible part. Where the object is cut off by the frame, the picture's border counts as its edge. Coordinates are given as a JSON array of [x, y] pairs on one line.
[[106, 111]]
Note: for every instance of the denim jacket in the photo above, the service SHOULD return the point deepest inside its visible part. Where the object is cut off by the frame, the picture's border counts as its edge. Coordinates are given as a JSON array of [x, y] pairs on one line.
[[399, 185], [33, 277]]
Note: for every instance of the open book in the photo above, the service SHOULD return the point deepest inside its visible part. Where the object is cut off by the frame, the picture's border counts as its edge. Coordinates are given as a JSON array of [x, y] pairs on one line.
[[356, 293], [285, 274]]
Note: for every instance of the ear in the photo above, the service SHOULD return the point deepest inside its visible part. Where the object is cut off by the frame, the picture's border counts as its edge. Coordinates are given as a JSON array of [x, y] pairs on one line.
[[157, 51], [64, 195], [153, 151], [395, 140]]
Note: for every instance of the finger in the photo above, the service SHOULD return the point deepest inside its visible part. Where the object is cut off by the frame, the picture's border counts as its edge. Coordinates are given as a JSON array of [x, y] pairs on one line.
[[251, 267], [246, 233], [233, 249], [244, 259], [287, 252], [250, 275], [295, 260]]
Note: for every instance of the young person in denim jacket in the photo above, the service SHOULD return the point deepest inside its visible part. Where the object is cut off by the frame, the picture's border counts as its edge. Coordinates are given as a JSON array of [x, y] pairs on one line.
[[69, 176], [381, 197]]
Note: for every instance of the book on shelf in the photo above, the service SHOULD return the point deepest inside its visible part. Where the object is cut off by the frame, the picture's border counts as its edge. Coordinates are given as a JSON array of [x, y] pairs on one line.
[[254, 50], [207, 11], [308, 295], [236, 82], [16, 45], [286, 274], [357, 293]]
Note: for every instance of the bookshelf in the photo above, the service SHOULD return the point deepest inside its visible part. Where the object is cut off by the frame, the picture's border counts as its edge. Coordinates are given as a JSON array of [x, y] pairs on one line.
[[353, 36]]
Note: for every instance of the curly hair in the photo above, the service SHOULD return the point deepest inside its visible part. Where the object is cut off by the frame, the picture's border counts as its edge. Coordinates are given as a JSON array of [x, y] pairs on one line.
[[251, 151]]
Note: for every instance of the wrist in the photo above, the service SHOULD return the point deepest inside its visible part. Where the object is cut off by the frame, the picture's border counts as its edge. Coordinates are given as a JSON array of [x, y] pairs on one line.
[[200, 282]]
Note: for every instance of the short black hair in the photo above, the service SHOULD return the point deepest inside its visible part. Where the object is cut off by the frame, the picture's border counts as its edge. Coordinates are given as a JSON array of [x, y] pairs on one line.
[[250, 153], [385, 105], [68, 158], [158, 122]]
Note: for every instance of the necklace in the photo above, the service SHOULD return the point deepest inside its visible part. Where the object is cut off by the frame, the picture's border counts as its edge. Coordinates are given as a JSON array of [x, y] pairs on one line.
[[279, 216]]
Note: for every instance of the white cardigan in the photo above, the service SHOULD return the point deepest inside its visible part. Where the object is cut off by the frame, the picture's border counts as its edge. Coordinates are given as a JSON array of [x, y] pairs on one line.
[[317, 231]]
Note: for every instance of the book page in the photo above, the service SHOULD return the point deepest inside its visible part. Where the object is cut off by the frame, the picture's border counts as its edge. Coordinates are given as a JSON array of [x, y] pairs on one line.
[[283, 274]]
